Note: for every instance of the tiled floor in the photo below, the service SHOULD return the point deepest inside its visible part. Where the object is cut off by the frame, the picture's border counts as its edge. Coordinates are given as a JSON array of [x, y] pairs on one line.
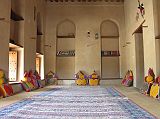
[[148, 103]]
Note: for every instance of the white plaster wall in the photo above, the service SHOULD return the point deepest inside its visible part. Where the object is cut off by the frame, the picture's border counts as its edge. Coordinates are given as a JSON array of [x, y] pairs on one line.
[[29, 36], [139, 83], [26, 29], [86, 18], [30, 32], [148, 35], [5, 7]]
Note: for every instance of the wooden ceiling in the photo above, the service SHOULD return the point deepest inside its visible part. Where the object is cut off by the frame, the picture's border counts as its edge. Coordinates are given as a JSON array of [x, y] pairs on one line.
[[109, 1]]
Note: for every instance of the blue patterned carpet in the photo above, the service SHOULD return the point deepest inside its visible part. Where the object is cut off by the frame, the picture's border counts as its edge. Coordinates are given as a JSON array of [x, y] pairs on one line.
[[76, 103]]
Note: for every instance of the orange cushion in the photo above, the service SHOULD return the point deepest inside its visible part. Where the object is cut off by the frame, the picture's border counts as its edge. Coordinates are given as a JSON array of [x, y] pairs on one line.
[[2, 91]]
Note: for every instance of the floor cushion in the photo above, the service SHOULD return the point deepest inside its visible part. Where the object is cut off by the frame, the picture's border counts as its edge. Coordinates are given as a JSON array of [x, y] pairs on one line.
[[93, 82], [39, 84], [1, 81], [25, 86], [81, 82], [1, 74], [2, 91], [8, 88], [154, 92]]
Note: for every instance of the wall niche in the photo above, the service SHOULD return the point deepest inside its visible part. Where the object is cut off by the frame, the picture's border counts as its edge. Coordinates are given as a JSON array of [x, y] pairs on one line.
[[110, 50], [65, 61]]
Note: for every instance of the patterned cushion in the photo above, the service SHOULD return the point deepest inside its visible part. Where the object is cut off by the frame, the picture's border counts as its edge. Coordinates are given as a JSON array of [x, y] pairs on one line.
[[149, 79], [39, 84], [1, 74], [94, 82], [8, 88], [81, 82], [1, 81], [25, 86], [129, 83], [2, 91], [154, 92]]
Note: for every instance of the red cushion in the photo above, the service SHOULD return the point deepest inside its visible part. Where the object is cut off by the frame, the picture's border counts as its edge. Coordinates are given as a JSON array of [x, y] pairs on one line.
[[8, 89]]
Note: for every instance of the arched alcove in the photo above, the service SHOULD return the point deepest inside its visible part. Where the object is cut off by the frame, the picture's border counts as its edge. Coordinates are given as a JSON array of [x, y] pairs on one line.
[[66, 28], [109, 28], [65, 61], [110, 50]]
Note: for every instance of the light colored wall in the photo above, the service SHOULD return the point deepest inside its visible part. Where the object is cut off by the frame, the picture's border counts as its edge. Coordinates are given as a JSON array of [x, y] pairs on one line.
[[86, 18], [29, 36], [156, 10], [40, 8], [110, 44], [110, 67], [5, 7], [65, 67], [23, 32], [139, 83], [148, 35], [30, 32]]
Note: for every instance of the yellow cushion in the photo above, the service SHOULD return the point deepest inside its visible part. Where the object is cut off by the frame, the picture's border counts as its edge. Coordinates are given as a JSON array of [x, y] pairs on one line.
[[93, 82], [94, 76], [25, 79], [2, 91], [149, 79], [154, 92], [1, 81], [1, 74], [81, 76], [81, 82]]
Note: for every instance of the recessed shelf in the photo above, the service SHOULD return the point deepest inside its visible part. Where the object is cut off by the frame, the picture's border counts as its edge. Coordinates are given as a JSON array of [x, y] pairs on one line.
[[110, 53], [15, 16], [39, 53], [14, 45], [39, 32], [109, 36], [66, 56], [157, 37], [70, 53], [111, 56], [66, 36]]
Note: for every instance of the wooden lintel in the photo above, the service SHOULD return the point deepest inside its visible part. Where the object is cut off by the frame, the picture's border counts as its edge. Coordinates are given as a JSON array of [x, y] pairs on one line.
[[138, 30]]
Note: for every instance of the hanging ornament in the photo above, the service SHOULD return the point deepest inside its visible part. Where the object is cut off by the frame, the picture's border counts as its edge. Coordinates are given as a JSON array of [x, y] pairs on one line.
[[141, 9]]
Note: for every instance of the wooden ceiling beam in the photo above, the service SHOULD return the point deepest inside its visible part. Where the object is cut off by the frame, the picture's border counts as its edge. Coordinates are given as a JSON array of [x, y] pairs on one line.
[[117, 1]]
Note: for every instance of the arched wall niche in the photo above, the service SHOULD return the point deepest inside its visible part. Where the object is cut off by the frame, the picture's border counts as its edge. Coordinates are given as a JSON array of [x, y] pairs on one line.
[[110, 49], [109, 28], [66, 28], [65, 65]]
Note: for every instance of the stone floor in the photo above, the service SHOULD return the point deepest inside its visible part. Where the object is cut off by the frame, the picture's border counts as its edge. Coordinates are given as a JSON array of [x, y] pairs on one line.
[[146, 102]]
